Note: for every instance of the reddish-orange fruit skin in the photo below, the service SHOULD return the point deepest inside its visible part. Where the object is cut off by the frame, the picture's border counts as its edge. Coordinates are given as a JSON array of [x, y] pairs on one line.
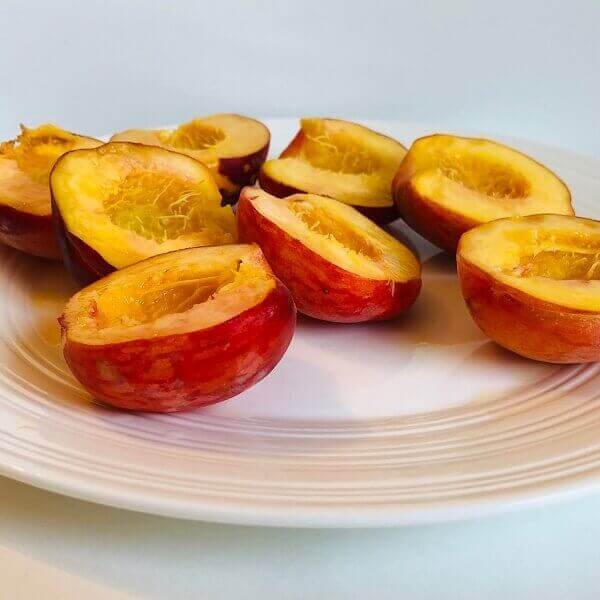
[[321, 289], [526, 325], [276, 188], [29, 233], [295, 146], [185, 371], [243, 170], [441, 227], [82, 261]]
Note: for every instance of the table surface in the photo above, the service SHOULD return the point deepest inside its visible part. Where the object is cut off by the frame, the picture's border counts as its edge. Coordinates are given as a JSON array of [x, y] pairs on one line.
[[56, 547]]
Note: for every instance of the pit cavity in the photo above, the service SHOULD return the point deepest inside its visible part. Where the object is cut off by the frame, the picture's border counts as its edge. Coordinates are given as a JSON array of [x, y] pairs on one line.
[[339, 153], [193, 136], [326, 224], [560, 265], [485, 176], [144, 301], [156, 206]]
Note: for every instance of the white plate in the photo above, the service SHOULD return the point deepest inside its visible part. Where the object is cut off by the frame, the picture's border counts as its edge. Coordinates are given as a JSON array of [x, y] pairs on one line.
[[418, 420]]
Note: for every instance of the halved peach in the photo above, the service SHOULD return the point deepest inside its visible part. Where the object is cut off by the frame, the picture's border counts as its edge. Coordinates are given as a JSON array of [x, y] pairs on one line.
[[338, 265], [341, 160], [447, 185], [532, 284], [25, 210], [179, 330], [123, 202], [233, 147]]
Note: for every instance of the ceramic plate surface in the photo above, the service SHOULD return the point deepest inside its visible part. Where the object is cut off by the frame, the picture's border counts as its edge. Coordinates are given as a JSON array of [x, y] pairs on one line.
[[416, 420]]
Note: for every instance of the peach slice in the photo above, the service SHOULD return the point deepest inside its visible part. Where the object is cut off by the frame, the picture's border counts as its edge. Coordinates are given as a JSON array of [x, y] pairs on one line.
[[447, 184], [179, 330], [338, 265], [341, 160], [233, 147], [123, 202], [532, 284], [25, 163]]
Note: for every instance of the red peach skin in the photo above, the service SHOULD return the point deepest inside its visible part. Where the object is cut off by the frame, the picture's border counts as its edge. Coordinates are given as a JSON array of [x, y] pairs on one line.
[[82, 261], [526, 325], [184, 371], [436, 224], [243, 170], [29, 233]]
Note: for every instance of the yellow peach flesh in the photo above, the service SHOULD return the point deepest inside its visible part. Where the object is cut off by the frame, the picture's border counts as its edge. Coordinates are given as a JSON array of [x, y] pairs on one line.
[[26, 162], [207, 139], [342, 160], [481, 180], [553, 258], [135, 201], [340, 234], [170, 294]]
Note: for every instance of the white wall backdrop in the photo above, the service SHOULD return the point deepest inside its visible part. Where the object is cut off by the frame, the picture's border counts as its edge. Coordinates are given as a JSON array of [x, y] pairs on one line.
[[524, 68]]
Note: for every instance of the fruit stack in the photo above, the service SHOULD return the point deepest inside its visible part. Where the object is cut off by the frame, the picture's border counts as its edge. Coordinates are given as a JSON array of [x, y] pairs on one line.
[[190, 301]]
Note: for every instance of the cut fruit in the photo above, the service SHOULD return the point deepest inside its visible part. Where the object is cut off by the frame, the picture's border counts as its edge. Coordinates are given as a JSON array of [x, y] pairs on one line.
[[338, 265], [447, 185], [233, 147], [122, 202], [341, 160], [179, 330], [532, 284], [25, 209]]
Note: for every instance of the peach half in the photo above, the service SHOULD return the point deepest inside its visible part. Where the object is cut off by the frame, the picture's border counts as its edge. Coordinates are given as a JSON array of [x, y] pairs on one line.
[[233, 147], [447, 185], [25, 209], [122, 202], [179, 330], [338, 265], [341, 160], [532, 284]]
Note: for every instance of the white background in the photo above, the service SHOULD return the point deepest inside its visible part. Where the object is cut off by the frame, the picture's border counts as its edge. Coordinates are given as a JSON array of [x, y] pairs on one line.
[[526, 69]]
